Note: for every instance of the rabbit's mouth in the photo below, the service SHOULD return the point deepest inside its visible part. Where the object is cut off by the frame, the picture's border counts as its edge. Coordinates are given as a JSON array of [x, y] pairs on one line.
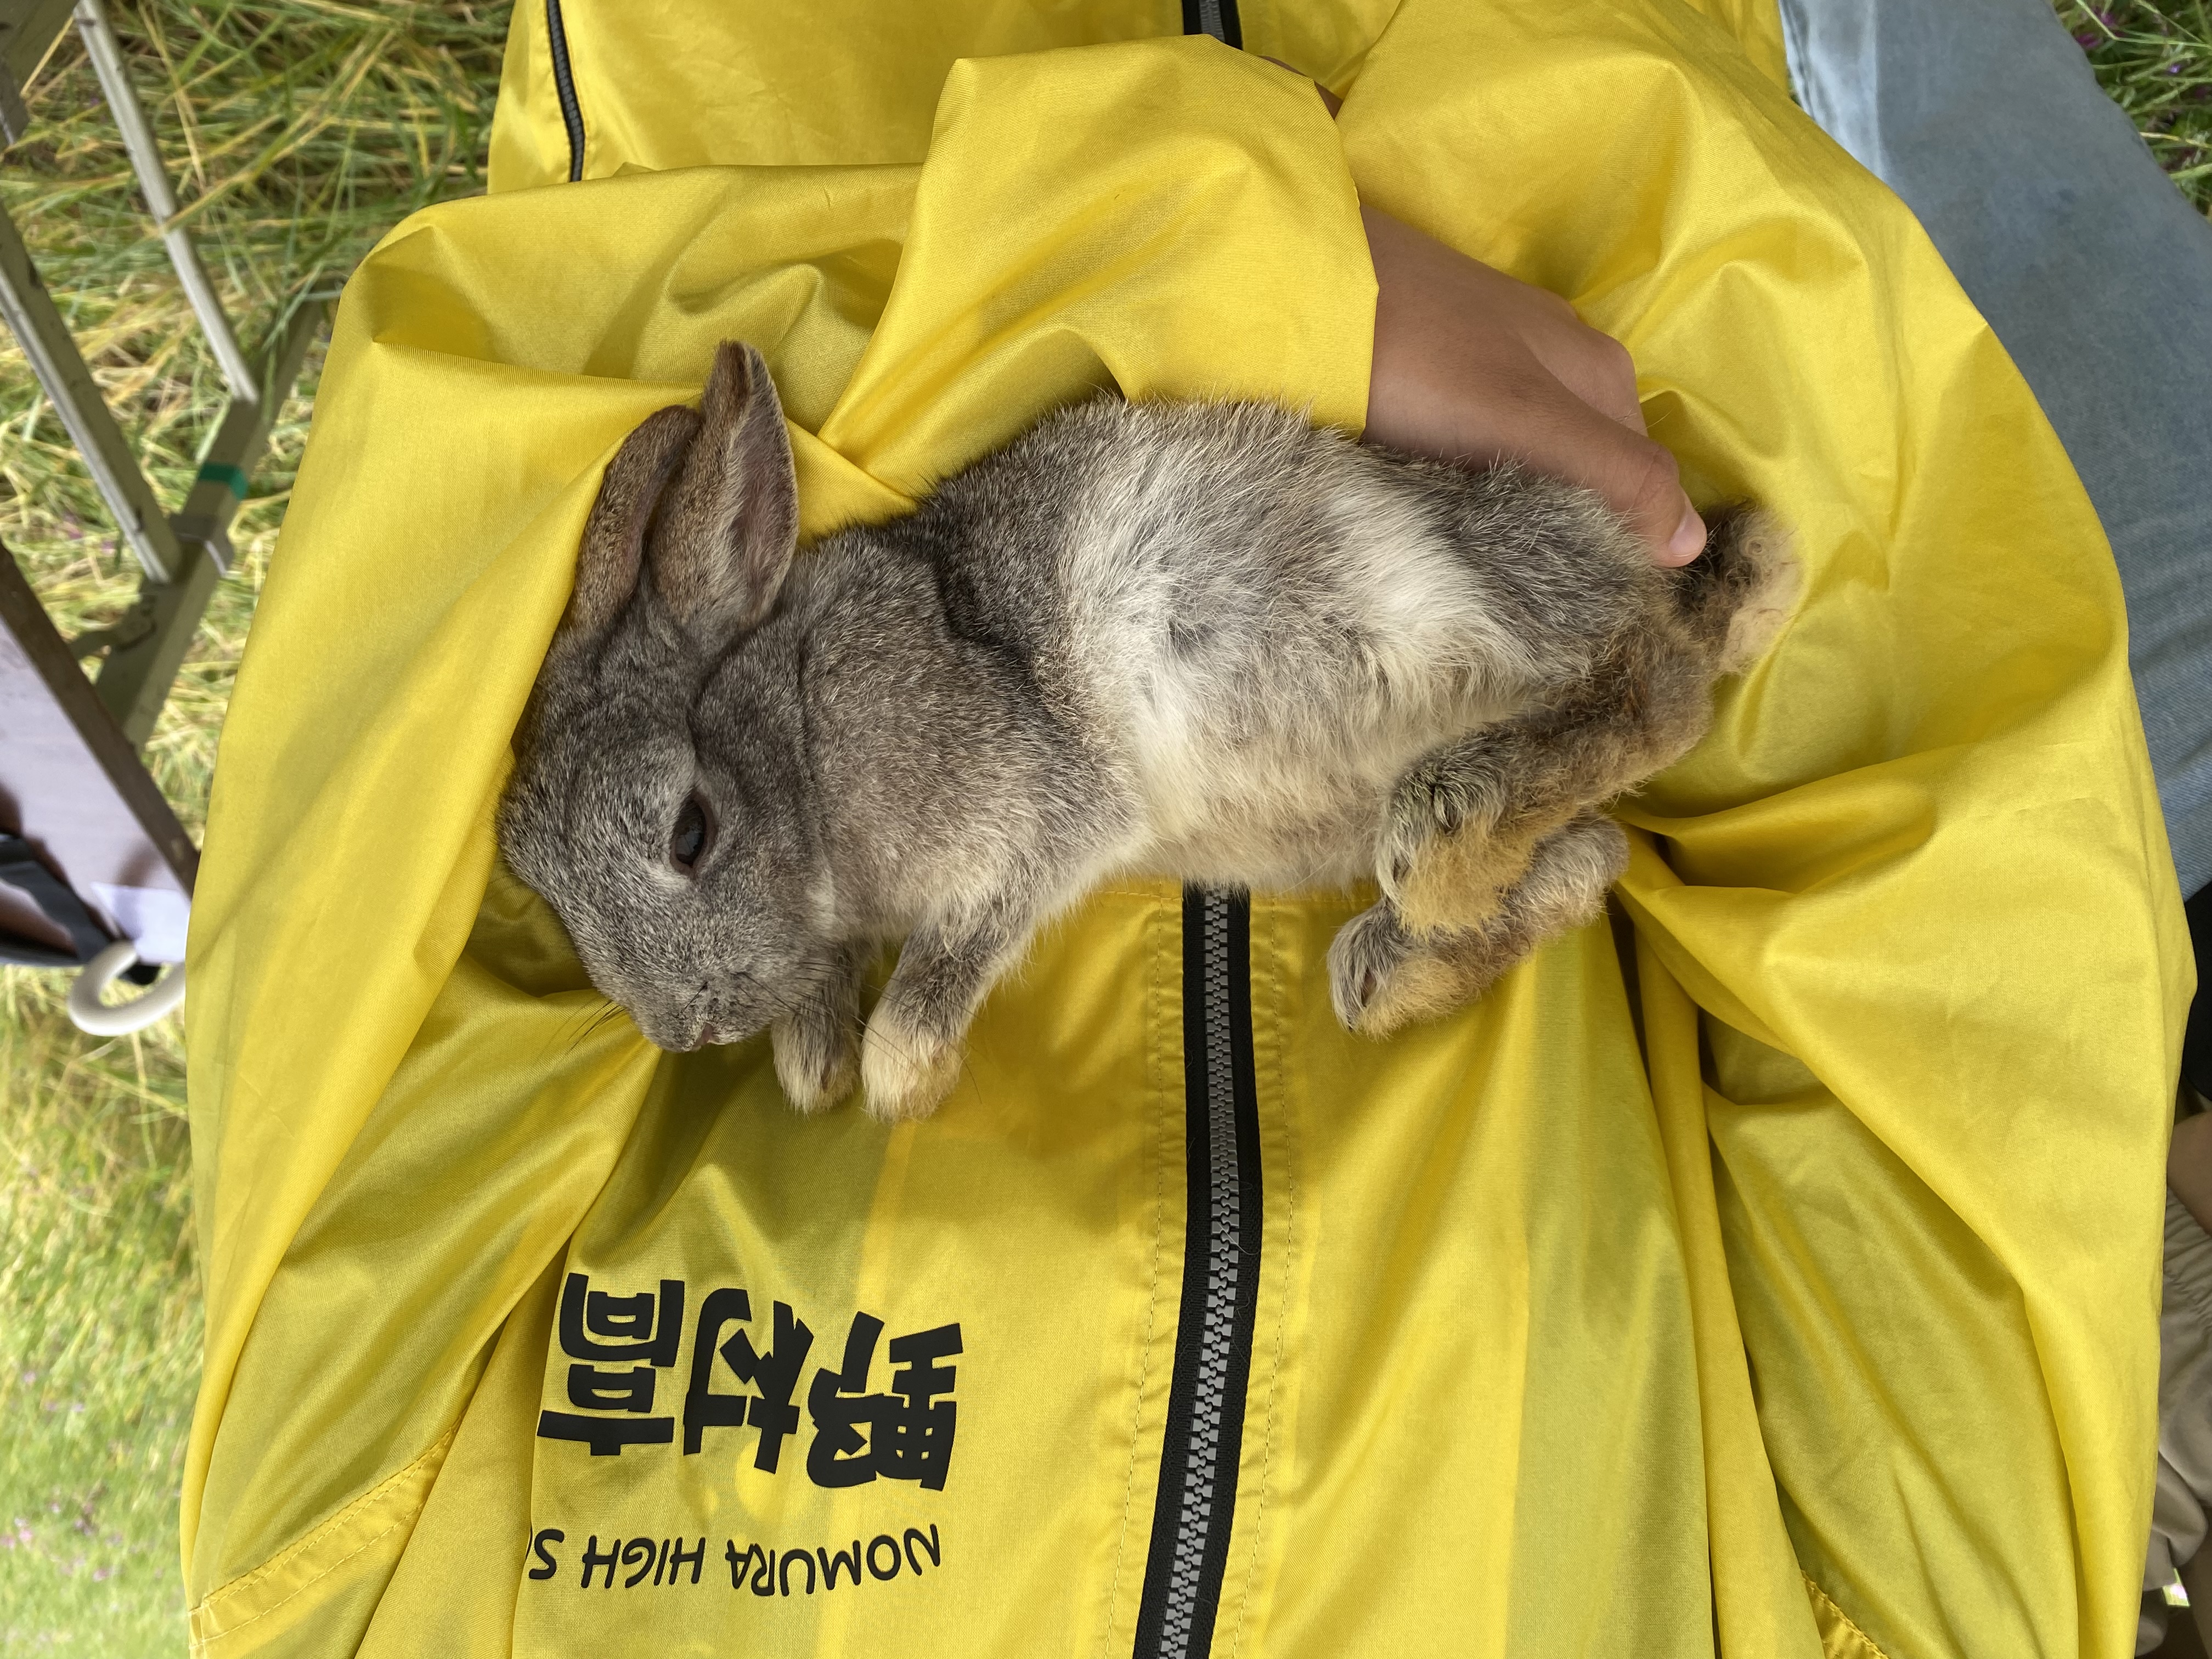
[[707, 1037], [681, 1037], [724, 1028]]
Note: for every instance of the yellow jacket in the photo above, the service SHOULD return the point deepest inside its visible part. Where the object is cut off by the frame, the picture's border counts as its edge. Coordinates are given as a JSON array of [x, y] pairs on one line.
[[1774, 1273]]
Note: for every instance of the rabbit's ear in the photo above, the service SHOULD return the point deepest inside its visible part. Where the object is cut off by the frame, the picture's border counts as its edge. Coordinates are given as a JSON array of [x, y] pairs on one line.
[[614, 536], [726, 537]]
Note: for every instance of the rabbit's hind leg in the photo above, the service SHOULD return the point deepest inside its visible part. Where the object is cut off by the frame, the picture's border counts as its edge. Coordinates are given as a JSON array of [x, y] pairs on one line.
[[1463, 822], [1383, 976], [817, 1044], [910, 1056], [1734, 598]]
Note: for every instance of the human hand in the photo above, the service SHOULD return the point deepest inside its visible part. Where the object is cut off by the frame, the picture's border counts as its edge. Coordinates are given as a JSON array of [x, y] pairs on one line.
[[2189, 1166], [1472, 366]]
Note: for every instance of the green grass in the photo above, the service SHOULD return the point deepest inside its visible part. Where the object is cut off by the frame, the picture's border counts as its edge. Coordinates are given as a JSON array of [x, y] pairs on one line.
[[2155, 60], [102, 1345], [298, 130], [297, 133]]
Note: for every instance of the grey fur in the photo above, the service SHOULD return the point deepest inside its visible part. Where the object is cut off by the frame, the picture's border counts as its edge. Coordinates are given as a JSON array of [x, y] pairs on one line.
[[1202, 640]]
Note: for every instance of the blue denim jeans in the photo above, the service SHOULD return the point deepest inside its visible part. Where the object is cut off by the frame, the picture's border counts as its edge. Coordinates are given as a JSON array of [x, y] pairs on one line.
[[2096, 275]]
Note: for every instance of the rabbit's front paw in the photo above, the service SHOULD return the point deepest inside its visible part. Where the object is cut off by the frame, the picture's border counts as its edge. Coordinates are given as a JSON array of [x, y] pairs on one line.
[[816, 1043], [815, 1061], [906, 1072]]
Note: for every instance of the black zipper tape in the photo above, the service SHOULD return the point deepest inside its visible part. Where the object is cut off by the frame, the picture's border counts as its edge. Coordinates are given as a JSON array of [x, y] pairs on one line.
[[1204, 1435], [564, 84], [1215, 17]]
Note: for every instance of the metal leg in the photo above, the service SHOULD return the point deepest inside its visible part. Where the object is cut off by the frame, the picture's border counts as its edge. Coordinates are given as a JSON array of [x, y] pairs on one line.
[[29, 30], [229, 460], [183, 558], [149, 643], [154, 182], [39, 329]]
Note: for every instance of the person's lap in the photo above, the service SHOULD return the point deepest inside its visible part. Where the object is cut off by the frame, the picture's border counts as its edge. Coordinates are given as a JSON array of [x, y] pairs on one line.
[[2095, 274]]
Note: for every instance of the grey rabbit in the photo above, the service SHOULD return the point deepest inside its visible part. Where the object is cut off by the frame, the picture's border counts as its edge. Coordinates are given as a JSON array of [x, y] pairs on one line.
[[1202, 640]]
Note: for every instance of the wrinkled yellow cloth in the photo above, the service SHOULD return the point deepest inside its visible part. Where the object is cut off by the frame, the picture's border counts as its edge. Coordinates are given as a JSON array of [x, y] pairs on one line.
[[1776, 1273]]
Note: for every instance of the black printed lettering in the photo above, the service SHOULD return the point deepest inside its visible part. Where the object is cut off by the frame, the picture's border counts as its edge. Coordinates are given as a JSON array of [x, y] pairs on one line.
[[661, 1565], [842, 1408], [913, 1440], [737, 1563], [592, 1390], [703, 1408], [913, 1537], [549, 1535], [678, 1555], [637, 1550], [859, 1435], [774, 1375], [769, 1571], [606, 1435], [596, 1326], [593, 1561], [783, 1572], [848, 1560], [883, 1541]]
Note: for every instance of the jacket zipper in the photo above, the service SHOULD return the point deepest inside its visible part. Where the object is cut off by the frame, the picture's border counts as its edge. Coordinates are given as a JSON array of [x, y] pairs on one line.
[[1204, 1435], [1215, 17], [564, 85], [1205, 1432]]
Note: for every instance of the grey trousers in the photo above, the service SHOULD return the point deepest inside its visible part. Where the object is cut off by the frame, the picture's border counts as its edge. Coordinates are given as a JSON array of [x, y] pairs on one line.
[[2096, 276]]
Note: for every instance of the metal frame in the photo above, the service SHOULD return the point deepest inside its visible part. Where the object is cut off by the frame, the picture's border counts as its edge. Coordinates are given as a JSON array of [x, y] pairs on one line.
[[185, 553]]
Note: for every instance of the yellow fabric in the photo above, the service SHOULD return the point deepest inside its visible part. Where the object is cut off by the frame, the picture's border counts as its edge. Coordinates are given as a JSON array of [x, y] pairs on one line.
[[1839, 1638], [1755, 27], [1792, 1290], [332, 1576]]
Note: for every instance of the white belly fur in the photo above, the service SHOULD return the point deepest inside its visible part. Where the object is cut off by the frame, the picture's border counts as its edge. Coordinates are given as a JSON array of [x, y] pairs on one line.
[[1290, 790]]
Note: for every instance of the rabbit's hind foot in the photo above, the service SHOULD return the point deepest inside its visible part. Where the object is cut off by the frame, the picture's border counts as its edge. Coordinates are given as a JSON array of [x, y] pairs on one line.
[[1743, 586], [1383, 976], [1438, 836], [1457, 840]]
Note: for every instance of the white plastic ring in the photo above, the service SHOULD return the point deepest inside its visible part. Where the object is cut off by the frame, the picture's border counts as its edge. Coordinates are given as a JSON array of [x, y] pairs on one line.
[[89, 1013]]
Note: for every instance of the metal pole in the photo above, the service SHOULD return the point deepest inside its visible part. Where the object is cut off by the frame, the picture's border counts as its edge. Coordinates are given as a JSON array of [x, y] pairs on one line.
[[150, 641], [39, 329], [154, 180]]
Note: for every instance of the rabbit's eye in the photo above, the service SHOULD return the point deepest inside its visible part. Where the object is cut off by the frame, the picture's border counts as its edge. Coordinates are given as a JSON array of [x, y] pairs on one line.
[[694, 832]]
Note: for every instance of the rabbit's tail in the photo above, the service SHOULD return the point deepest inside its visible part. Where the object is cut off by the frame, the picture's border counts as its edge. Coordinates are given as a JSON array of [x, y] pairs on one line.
[[1740, 591]]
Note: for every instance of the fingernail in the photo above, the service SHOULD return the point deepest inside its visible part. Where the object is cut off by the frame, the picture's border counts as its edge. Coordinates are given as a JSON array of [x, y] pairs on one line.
[[1689, 538]]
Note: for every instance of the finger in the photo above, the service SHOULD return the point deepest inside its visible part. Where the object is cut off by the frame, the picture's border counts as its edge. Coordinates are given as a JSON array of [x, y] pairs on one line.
[[1596, 369], [1590, 363], [1638, 478], [1426, 274]]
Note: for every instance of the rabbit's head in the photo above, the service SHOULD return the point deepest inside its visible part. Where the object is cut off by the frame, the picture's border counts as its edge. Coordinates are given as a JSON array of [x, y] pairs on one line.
[[679, 857]]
